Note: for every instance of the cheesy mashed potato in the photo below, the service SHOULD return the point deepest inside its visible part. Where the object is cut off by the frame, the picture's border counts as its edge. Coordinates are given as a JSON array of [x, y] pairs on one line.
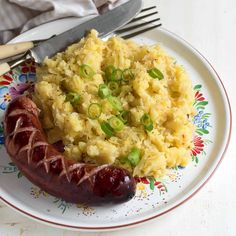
[[156, 97]]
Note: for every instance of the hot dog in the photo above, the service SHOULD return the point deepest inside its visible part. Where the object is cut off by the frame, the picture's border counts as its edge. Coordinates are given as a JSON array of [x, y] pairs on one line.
[[47, 168]]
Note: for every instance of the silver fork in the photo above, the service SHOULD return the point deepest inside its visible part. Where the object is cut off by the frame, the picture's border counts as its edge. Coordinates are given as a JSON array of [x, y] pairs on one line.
[[140, 24], [136, 26]]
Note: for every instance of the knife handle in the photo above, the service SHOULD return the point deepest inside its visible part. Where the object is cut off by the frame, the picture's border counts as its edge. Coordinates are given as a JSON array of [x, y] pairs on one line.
[[13, 49], [4, 68]]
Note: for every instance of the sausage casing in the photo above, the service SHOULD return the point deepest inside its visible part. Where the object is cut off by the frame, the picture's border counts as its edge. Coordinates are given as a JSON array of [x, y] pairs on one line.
[[47, 168]]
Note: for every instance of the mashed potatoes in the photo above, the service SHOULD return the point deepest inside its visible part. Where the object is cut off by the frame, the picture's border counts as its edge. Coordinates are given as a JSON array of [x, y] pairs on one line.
[[167, 101]]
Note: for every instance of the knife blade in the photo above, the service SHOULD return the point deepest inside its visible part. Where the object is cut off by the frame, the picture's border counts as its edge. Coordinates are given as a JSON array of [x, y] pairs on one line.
[[104, 24]]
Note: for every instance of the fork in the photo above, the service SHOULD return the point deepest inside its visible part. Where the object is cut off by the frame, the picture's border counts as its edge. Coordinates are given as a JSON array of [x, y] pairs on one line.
[[12, 55], [140, 24]]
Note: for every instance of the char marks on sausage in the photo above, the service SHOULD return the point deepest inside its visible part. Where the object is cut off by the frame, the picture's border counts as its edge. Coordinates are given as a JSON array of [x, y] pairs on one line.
[[47, 168]]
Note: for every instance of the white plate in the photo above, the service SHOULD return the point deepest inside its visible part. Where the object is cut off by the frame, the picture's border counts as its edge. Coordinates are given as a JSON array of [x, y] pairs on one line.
[[214, 121]]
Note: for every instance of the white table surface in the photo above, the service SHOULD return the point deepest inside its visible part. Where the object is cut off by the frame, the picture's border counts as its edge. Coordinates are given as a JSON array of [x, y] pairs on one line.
[[210, 26]]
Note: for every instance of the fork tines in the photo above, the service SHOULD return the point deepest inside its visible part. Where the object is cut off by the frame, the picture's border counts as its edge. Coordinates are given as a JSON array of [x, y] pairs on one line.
[[141, 23]]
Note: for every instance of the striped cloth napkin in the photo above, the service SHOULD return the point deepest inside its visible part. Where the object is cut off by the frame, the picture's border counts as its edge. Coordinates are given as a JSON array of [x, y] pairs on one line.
[[17, 16]]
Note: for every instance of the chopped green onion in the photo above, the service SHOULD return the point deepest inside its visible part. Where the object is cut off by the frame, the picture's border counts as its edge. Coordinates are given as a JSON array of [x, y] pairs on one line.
[[147, 122], [124, 116], [86, 71], [116, 75], [115, 102], [94, 111], [108, 71], [128, 75], [134, 156], [73, 98], [155, 73], [103, 91], [114, 87], [107, 129], [116, 123]]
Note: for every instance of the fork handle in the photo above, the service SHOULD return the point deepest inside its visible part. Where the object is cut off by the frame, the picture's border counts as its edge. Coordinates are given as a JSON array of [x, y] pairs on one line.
[[14, 49]]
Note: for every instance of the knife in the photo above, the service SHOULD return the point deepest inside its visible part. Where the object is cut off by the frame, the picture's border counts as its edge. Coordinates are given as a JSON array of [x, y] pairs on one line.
[[104, 24], [11, 50]]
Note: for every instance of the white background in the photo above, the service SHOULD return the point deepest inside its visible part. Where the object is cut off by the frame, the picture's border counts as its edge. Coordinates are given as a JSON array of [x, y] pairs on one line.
[[210, 26]]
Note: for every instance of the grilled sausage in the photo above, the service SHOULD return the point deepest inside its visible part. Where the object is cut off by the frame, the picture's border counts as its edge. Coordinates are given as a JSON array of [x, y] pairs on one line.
[[47, 168]]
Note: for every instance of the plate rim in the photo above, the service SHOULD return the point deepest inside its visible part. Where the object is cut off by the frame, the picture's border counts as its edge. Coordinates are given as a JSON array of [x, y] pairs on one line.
[[201, 185]]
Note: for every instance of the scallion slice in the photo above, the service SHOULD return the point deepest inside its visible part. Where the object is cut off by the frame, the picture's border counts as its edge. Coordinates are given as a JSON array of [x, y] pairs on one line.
[[86, 71], [103, 91], [134, 156], [127, 75], [73, 98], [116, 123], [114, 88], [115, 102], [108, 71], [94, 111], [124, 116], [147, 122], [116, 75], [155, 73], [107, 129]]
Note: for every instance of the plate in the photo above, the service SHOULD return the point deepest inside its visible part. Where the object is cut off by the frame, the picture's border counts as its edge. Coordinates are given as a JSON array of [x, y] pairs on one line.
[[213, 121]]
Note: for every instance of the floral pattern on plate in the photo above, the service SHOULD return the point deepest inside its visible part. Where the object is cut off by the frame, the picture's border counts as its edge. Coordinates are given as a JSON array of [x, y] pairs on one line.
[[22, 79]]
